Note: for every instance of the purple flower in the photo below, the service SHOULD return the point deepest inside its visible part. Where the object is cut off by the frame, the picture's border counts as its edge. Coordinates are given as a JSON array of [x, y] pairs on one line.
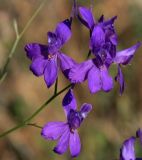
[[127, 152], [46, 59], [66, 132], [103, 42]]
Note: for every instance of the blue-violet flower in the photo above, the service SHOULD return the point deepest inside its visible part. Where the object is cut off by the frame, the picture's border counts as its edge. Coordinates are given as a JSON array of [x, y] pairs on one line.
[[66, 132]]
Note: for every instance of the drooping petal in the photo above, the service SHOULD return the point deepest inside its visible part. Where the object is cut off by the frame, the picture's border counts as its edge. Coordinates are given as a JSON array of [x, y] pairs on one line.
[[53, 130], [74, 144], [63, 143], [35, 50], [97, 39], [63, 32], [125, 56], [94, 81], [85, 109], [51, 71], [119, 77], [65, 61], [38, 65], [106, 79], [78, 73], [87, 16], [69, 102], [127, 151]]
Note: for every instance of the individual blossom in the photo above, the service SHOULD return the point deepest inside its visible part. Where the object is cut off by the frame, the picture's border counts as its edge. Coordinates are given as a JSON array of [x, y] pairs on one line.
[[46, 59], [66, 132]]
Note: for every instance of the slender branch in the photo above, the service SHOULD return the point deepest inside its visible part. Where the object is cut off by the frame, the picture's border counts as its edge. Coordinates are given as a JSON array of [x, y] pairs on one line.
[[26, 121], [3, 73], [56, 87], [34, 125]]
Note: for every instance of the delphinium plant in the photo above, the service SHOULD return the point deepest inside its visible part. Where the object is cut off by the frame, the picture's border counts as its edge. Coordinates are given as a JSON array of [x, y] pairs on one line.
[[48, 59]]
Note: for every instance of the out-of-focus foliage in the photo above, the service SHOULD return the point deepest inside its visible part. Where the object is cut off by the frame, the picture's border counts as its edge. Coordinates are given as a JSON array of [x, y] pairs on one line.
[[113, 118]]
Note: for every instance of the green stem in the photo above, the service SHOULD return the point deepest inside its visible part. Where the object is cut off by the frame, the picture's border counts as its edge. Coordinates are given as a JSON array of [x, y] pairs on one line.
[[56, 87], [18, 38], [34, 125], [26, 121]]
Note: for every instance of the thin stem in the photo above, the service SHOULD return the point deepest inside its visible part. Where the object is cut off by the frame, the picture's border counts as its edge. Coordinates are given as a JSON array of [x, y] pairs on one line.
[[26, 121], [18, 38], [88, 55], [56, 87], [34, 125], [92, 5]]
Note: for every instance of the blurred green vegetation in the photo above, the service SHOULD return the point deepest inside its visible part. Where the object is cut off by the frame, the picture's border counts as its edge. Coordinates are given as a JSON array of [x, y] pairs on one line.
[[114, 118]]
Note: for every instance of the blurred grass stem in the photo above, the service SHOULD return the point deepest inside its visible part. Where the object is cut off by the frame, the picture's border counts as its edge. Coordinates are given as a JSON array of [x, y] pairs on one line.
[[3, 73]]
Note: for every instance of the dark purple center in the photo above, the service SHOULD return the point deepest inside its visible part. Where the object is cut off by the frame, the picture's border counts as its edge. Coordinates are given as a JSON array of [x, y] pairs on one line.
[[74, 119]]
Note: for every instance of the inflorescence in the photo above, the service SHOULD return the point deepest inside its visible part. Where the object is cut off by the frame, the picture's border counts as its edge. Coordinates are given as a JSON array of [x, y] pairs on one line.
[[48, 59]]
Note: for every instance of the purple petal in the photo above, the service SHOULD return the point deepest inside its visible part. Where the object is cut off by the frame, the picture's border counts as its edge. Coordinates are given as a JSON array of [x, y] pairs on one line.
[[107, 80], [63, 142], [125, 56], [87, 16], [78, 73], [63, 32], [38, 65], [85, 109], [74, 143], [69, 102], [127, 151], [54, 43], [97, 39], [65, 61], [35, 50], [119, 77], [94, 81], [53, 130], [51, 71], [110, 21]]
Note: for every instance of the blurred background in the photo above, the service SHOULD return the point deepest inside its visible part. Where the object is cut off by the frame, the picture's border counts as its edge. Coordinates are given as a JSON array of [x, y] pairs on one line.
[[114, 118]]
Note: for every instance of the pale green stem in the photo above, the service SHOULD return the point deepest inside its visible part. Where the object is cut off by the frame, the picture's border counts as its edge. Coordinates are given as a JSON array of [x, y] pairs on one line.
[[3, 73], [26, 121]]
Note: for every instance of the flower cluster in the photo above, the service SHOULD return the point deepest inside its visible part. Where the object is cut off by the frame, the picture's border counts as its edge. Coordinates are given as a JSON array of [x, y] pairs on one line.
[[48, 59]]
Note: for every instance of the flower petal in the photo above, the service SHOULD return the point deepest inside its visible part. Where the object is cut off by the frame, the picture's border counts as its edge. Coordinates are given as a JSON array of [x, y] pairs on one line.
[[94, 81], [38, 65], [125, 56], [63, 142], [97, 39], [69, 102], [63, 32], [127, 151], [78, 73], [54, 43], [65, 61], [53, 130], [51, 71], [119, 77], [87, 16], [106, 79], [85, 109], [74, 144], [35, 50]]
